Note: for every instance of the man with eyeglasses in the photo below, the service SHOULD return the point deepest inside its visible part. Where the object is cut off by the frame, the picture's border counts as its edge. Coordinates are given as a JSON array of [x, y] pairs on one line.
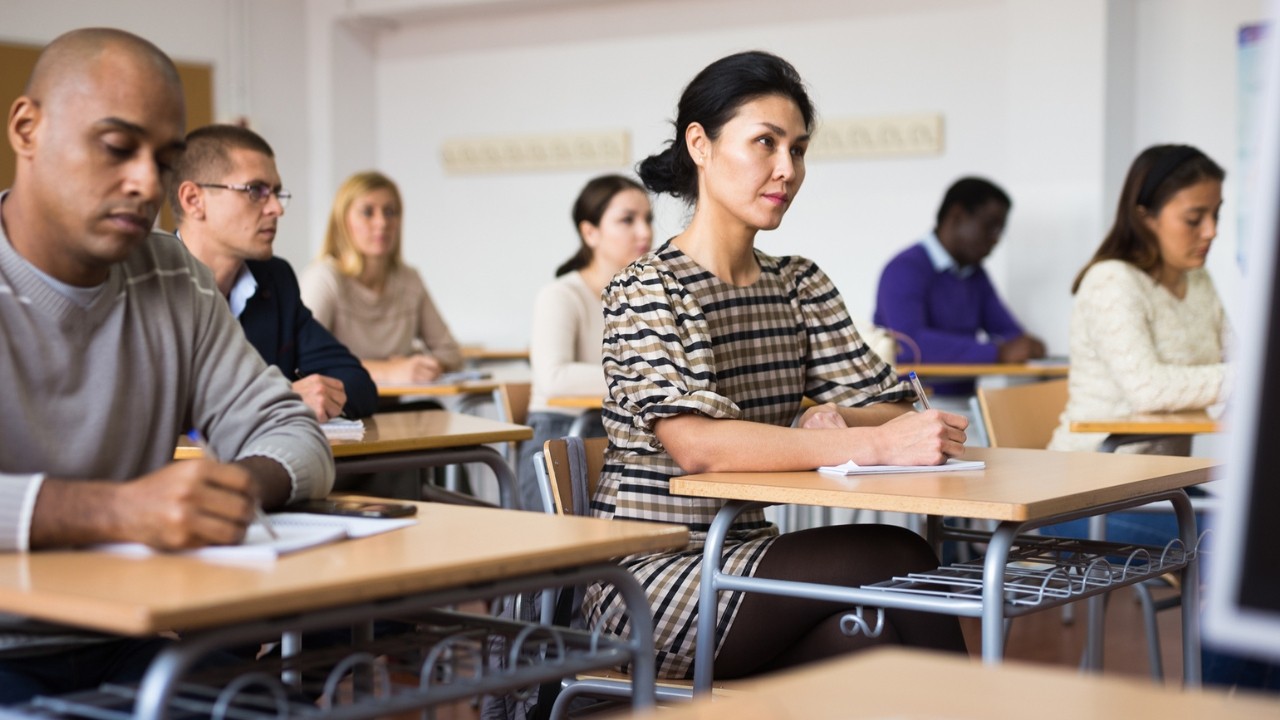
[[112, 343], [227, 197]]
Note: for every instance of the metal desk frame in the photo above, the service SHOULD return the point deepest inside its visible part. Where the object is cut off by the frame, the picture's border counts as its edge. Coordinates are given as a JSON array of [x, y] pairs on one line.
[[951, 590], [555, 652], [441, 457]]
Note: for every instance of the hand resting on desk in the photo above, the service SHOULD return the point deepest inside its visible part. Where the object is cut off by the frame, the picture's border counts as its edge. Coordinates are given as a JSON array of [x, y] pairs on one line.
[[325, 396], [404, 370], [927, 438], [185, 504], [880, 434]]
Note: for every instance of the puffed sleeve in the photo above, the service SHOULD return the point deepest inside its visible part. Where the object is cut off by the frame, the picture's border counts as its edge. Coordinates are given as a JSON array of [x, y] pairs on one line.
[[840, 367], [658, 356]]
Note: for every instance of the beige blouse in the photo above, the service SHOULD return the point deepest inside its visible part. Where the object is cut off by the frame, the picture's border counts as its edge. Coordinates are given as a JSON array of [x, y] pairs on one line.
[[564, 350], [1136, 348], [378, 325]]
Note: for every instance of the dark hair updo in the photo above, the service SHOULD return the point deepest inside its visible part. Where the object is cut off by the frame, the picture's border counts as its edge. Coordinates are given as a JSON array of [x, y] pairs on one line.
[[711, 100]]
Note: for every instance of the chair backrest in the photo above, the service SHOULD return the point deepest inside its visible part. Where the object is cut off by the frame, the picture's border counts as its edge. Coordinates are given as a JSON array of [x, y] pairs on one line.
[[560, 473], [1022, 416], [515, 401]]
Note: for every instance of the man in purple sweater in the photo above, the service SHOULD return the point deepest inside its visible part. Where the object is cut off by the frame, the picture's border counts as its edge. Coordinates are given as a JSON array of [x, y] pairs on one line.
[[937, 294]]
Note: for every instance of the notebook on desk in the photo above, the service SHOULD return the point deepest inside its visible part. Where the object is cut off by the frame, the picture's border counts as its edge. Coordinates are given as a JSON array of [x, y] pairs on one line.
[[297, 531], [852, 468]]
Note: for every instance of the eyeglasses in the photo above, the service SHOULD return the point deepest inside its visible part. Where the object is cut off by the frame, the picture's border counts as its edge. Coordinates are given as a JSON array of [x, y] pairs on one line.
[[257, 192]]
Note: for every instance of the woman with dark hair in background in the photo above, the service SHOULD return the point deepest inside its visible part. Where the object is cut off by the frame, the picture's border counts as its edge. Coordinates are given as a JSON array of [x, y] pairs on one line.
[[613, 219], [1148, 332], [1149, 335], [710, 347]]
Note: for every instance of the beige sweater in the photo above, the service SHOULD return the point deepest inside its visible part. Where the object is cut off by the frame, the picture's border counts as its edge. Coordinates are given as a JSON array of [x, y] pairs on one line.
[[564, 349], [1135, 348], [378, 325]]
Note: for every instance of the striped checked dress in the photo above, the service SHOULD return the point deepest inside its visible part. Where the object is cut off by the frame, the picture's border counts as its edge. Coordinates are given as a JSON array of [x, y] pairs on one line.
[[680, 340]]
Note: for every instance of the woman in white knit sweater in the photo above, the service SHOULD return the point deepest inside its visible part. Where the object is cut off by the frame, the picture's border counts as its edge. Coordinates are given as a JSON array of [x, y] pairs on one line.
[[1148, 331], [613, 218]]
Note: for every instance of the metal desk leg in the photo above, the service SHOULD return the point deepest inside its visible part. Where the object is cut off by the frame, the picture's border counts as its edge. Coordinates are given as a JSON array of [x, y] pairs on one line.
[[439, 458], [643, 665], [1094, 632], [712, 558], [933, 533], [1190, 591], [993, 591]]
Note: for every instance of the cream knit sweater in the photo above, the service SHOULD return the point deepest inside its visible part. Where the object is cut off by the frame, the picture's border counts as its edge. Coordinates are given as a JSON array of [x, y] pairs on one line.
[[1135, 348]]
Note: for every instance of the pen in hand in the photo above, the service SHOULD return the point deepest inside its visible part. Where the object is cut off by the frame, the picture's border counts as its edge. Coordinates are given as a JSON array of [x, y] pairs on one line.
[[196, 437], [919, 388]]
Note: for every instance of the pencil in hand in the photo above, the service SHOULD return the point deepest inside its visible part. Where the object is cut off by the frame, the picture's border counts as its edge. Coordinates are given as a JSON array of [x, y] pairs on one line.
[[196, 437]]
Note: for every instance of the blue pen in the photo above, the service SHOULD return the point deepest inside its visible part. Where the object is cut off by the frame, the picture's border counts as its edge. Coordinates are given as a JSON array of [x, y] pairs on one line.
[[919, 388], [197, 437]]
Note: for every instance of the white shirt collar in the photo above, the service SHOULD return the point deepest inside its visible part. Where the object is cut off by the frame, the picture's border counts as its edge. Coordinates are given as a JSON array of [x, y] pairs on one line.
[[942, 260], [245, 287]]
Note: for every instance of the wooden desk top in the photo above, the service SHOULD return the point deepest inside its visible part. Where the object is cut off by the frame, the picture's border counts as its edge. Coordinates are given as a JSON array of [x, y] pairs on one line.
[[581, 402], [947, 371], [449, 546], [1193, 422], [467, 387], [591, 402], [416, 430], [479, 353], [901, 683], [1016, 485]]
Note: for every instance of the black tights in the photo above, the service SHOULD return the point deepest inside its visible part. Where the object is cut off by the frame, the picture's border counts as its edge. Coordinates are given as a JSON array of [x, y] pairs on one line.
[[772, 632]]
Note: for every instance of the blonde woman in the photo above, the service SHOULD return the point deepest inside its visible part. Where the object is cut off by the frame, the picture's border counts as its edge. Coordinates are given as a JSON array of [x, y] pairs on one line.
[[361, 290]]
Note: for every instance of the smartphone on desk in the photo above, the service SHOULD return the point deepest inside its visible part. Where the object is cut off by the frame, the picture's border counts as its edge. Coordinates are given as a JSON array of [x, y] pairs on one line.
[[353, 508]]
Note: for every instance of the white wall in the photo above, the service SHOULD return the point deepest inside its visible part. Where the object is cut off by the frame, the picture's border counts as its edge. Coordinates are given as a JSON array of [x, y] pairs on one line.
[[1050, 99], [259, 61], [554, 72], [1185, 89]]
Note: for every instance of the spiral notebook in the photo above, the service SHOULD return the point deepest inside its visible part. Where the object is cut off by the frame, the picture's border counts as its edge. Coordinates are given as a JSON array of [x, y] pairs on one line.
[[297, 531]]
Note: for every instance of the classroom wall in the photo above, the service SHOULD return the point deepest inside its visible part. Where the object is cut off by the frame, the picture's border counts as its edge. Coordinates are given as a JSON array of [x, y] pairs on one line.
[[1049, 99], [258, 55]]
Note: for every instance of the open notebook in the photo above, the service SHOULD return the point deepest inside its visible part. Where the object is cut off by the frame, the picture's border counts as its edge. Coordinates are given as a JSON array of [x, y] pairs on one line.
[[852, 468], [297, 531]]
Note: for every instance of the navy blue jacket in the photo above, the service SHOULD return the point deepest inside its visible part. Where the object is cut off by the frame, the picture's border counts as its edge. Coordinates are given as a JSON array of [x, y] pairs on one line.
[[284, 332]]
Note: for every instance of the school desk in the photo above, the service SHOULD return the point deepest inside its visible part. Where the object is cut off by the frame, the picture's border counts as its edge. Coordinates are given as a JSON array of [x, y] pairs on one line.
[[421, 439], [893, 682], [475, 355], [1147, 426], [438, 389], [1021, 490], [951, 371], [452, 554]]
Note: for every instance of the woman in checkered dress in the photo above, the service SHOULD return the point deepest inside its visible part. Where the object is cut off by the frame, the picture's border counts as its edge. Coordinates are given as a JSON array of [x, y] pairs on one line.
[[710, 346]]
